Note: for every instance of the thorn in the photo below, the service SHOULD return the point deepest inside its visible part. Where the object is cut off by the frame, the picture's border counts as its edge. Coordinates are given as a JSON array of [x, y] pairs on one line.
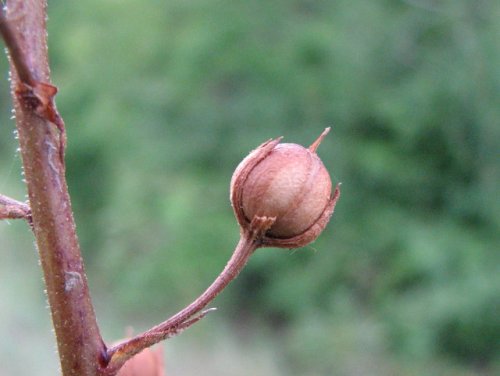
[[316, 143], [207, 311]]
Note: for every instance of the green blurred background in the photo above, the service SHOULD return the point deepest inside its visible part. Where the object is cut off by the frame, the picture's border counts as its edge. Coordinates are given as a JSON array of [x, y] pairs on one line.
[[162, 99]]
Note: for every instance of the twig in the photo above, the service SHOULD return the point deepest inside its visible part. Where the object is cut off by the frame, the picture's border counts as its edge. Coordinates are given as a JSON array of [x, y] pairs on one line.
[[13, 209], [250, 240]]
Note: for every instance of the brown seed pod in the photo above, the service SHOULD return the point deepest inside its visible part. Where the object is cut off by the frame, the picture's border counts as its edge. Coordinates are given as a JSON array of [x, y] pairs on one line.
[[287, 182]]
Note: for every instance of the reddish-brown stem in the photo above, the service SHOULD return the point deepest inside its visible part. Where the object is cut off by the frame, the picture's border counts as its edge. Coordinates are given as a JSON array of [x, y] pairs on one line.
[[250, 240], [81, 350]]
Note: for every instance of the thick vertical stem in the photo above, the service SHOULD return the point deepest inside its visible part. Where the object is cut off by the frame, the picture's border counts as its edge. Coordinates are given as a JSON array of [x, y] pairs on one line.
[[79, 342]]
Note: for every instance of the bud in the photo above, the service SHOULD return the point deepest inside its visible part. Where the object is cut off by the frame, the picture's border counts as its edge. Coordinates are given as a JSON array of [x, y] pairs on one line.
[[287, 182], [149, 362]]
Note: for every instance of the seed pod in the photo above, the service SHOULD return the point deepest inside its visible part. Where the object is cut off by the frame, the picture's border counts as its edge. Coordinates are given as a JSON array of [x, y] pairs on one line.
[[287, 182]]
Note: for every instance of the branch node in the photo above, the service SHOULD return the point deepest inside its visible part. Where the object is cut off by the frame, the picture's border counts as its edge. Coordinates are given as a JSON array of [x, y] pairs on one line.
[[39, 98], [35, 95]]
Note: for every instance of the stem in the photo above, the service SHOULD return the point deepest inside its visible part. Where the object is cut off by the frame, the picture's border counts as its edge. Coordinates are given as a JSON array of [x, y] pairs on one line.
[[250, 240], [81, 350]]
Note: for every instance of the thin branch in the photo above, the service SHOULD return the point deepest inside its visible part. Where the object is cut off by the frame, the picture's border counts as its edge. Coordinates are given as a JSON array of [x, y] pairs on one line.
[[250, 240], [13, 209]]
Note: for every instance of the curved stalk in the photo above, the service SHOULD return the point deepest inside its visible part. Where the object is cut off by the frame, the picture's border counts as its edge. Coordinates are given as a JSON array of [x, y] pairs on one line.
[[250, 240]]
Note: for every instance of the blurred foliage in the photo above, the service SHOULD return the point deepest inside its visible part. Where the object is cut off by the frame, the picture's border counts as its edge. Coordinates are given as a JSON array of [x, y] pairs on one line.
[[162, 99]]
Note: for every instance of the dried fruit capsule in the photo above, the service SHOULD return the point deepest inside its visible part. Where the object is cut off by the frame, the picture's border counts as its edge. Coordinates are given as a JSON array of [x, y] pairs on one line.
[[287, 182]]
